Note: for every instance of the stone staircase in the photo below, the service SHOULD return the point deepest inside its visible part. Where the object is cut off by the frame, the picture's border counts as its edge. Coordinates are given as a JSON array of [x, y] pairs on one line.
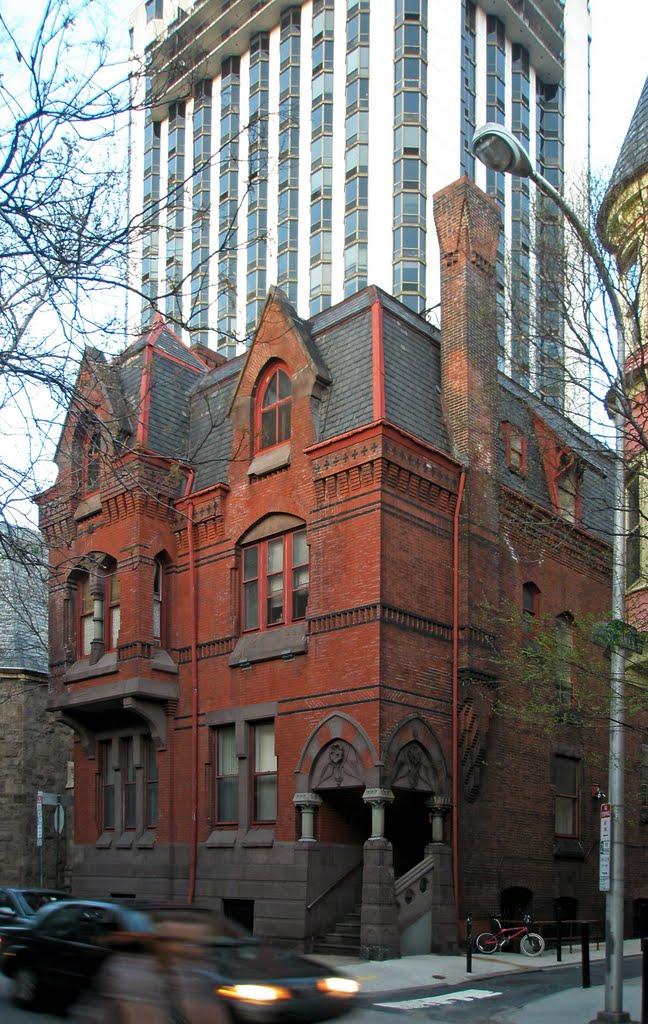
[[344, 940]]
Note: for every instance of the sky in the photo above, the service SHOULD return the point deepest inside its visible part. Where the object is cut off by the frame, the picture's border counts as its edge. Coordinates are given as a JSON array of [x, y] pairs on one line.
[[619, 64]]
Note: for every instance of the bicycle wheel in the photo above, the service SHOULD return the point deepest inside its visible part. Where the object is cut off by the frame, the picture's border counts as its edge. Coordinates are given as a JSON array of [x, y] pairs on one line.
[[532, 944], [486, 942]]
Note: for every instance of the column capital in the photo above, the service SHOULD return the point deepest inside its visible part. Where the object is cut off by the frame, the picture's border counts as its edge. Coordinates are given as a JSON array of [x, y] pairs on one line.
[[307, 800], [378, 796]]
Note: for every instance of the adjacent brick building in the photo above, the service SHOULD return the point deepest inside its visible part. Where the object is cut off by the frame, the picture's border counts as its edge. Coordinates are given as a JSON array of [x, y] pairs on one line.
[[281, 609], [35, 751]]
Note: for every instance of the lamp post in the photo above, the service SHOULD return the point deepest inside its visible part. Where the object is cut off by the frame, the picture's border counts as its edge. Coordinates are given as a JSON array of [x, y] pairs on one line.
[[496, 147]]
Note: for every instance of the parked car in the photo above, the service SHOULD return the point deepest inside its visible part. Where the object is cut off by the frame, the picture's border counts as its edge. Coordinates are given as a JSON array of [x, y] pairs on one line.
[[56, 954], [60, 953], [18, 905]]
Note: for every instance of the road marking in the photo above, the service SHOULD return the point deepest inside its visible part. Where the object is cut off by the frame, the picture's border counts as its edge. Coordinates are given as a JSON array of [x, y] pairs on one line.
[[467, 996]]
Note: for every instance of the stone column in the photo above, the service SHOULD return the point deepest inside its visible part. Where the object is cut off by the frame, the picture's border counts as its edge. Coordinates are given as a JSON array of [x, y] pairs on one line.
[[97, 645], [377, 798], [439, 807], [308, 804]]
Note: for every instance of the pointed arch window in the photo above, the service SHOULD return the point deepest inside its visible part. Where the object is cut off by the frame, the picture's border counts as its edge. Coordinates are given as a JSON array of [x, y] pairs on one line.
[[274, 407]]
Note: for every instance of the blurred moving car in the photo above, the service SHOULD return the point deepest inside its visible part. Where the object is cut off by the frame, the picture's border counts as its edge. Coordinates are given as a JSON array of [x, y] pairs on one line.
[[264, 984], [18, 905], [57, 953], [60, 955]]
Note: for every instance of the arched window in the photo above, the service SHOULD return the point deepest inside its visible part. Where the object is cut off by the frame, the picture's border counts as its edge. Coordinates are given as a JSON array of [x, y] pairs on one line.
[[275, 580], [273, 408], [98, 609]]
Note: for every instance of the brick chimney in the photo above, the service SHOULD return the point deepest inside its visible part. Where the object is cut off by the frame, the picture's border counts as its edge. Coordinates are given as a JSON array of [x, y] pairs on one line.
[[468, 224]]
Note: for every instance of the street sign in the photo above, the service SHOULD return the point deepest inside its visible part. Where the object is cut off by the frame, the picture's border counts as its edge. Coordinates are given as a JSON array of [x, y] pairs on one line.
[[59, 818], [39, 818], [604, 851]]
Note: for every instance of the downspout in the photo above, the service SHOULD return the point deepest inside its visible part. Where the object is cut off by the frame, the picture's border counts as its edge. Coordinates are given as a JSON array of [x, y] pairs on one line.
[[193, 853], [455, 695]]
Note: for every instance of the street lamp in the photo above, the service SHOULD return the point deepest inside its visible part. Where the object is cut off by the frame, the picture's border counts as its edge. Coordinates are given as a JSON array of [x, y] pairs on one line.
[[498, 149]]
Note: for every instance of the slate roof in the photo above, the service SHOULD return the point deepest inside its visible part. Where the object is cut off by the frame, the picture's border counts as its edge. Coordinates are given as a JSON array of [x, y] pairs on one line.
[[23, 601], [412, 364], [632, 160], [210, 433], [190, 403], [596, 460], [174, 371]]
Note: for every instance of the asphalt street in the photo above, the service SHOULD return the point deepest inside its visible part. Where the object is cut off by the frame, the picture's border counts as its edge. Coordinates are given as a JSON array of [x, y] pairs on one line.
[[549, 993]]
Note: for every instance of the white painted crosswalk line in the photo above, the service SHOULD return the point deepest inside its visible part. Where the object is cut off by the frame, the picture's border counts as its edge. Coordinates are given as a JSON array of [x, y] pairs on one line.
[[467, 996]]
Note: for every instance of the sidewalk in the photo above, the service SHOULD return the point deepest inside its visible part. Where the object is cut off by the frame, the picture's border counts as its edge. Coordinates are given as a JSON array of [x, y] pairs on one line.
[[385, 978]]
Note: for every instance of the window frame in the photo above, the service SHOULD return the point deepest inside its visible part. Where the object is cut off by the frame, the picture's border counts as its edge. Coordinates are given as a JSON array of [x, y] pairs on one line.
[[572, 797], [278, 411], [530, 611], [222, 777], [515, 448], [633, 530], [85, 616], [564, 639], [107, 819], [159, 603], [151, 782], [258, 580], [128, 777], [262, 775]]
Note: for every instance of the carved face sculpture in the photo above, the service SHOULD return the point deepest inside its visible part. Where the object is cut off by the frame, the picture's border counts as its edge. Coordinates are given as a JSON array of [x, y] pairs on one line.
[[336, 753]]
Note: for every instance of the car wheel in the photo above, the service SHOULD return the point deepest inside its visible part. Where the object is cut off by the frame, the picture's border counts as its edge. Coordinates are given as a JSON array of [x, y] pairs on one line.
[[26, 988]]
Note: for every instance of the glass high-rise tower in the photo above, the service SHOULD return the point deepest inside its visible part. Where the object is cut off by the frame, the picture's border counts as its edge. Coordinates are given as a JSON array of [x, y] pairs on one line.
[[301, 145]]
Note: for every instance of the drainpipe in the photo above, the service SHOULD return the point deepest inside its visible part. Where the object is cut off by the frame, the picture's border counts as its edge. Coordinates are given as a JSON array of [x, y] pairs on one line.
[[194, 704], [455, 695]]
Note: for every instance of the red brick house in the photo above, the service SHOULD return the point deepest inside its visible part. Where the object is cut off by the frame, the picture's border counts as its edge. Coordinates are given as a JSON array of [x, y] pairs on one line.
[[274, 618]]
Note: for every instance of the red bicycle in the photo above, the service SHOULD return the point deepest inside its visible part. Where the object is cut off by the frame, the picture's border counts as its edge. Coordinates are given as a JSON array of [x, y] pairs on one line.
[[531, 944]]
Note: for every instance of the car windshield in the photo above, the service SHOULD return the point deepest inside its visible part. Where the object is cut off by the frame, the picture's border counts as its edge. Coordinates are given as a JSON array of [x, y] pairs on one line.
[[35, 900]]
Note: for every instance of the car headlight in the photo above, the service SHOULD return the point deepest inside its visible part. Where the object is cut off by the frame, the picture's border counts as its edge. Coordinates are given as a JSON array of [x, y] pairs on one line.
[[254, 993], [338, 986]]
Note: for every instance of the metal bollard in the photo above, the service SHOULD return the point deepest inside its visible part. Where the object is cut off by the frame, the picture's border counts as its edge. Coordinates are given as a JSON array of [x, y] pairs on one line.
[[469, 943], [559, 938], [644, 982], [585, 951]]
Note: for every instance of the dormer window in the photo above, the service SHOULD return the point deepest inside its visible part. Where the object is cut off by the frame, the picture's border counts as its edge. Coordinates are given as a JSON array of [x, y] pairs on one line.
[[567, 490], [274, 408], [515, 448]]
